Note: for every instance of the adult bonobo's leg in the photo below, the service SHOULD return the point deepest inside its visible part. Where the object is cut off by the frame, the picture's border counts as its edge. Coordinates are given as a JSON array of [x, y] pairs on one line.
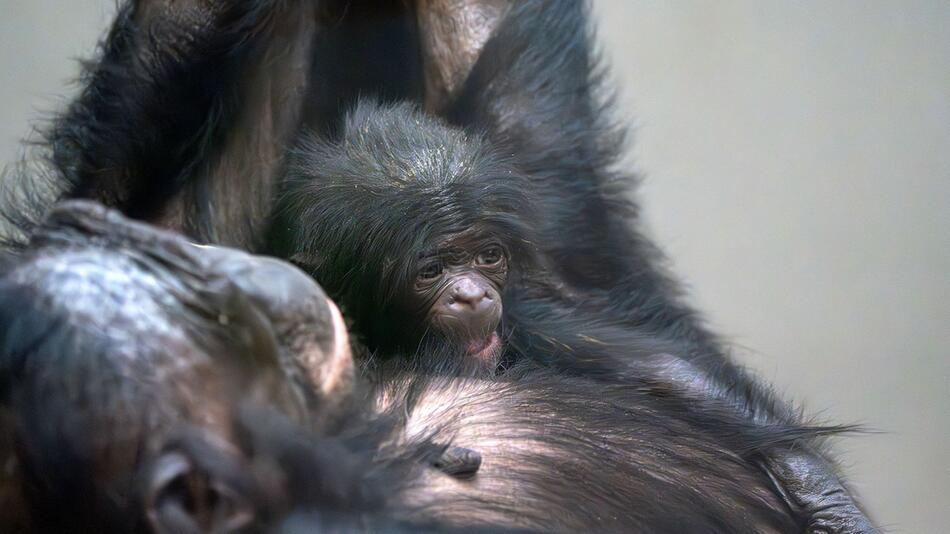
[[185, 114], [536, 89], [452, 34]]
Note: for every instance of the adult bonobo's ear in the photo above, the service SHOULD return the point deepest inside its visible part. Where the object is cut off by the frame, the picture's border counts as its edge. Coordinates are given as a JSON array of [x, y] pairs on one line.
[[198, 484]]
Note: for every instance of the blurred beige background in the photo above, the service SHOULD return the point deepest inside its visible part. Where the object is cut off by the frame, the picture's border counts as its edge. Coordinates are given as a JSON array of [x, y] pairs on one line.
[[797, 162]]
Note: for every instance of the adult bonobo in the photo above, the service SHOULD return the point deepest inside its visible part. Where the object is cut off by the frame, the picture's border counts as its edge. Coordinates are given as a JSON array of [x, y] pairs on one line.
[[185, 118], [149, 384]]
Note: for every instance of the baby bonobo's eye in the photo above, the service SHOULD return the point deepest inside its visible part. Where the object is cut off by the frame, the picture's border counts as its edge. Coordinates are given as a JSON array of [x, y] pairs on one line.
[[430, 271], [490, 257]]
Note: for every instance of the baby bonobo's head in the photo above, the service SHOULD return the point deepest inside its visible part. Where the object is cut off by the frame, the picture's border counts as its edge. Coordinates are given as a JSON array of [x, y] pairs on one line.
[[415, 228]]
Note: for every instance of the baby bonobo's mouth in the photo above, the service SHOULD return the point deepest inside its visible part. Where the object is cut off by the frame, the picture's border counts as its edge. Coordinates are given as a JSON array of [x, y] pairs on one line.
[[485, 349]]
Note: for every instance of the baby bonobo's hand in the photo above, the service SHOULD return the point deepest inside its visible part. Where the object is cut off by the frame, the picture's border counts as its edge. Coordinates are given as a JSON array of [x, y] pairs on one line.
[[458, 462]]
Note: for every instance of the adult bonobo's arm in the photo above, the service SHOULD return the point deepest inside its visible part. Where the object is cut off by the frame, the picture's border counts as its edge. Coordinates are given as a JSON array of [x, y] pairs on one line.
[[452, 34], [535, 88], [806, 480], [183, 116], [186, 113]]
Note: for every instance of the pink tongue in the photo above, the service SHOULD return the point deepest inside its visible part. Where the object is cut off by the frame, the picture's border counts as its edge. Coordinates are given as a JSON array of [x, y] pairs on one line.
[[475, 347]]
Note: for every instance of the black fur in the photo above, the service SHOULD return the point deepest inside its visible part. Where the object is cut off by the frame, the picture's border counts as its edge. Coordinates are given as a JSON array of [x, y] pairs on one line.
[[186, 115], [537, 91], [397, 183], [98, 402]]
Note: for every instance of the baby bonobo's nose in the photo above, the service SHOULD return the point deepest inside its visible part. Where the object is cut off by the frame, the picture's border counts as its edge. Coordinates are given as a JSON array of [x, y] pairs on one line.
[[469, 293], [475, 306]]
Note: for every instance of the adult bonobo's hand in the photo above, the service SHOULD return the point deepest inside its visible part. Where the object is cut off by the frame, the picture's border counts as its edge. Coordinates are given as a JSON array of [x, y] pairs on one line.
[[807, 482], [809, 485]]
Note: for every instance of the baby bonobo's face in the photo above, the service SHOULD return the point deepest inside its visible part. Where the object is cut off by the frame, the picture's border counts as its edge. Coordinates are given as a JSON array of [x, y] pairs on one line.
[[457, 290]]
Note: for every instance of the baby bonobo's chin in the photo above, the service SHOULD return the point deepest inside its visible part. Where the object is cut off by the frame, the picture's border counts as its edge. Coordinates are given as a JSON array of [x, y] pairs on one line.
[[440, 355], [485, 350]]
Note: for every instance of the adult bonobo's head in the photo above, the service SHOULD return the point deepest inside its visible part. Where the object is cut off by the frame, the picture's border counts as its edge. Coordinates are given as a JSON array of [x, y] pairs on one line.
[[114, 336], [406, 218]]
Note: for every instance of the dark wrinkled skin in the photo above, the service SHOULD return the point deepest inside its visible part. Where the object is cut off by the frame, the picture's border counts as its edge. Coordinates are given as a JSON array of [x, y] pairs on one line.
[[458, 289], [811, 486]]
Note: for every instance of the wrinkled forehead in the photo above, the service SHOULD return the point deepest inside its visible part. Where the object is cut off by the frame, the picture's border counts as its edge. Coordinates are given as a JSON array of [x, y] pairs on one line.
[[110, 276], [108, 299], [96, 284]]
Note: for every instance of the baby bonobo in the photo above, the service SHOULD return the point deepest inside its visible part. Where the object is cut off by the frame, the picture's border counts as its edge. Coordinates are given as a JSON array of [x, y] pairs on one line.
[[415, 228], [424, 234]]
